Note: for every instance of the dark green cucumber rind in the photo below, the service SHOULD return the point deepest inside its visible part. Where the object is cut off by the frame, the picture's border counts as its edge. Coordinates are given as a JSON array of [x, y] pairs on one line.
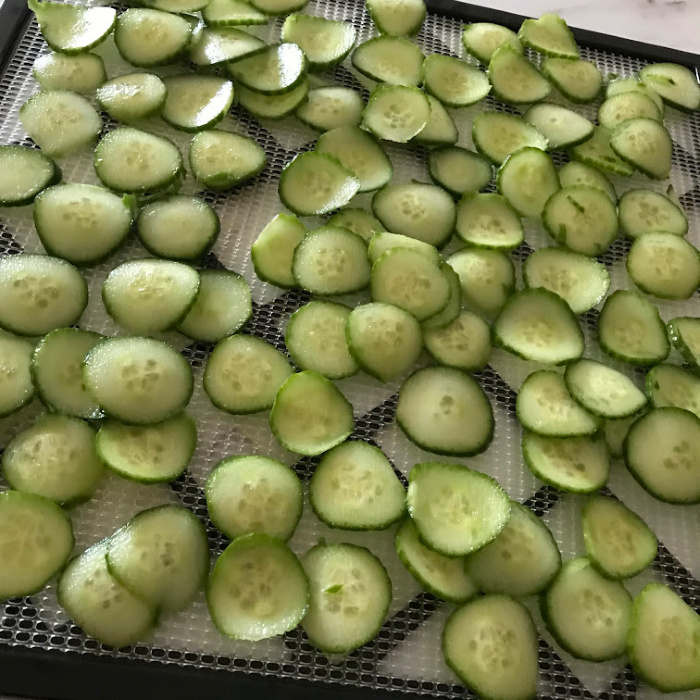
[[680, 345], [240, 77], [53, 179], [634, 163], [383, 30]]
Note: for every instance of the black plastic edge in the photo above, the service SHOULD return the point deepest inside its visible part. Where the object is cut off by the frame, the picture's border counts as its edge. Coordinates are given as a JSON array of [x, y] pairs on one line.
[[595, 40], [13, 16]]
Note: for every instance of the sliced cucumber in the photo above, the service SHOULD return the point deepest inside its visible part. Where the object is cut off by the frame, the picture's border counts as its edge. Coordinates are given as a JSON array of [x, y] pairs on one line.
[[273, 70], [325, 42], [396, 112], [231, 13], [244, 373], [39, 293], [279, 7], [82, 73], [570, 464], [359, 221], [645, 211], [521, 561], [684, 332], [432, 410], [618, 542], [196, 102], [177, 6], [440, 129], [389, 59], [402, 18], [383, 241], [328, 108], [16, 387], [496, 135], [149, 454], [622, 85], [645, 144], [315, 339], [139, 381], [258, 589], [273, 106], [331, 260], [212, 46], [254, 494], [598, 153], [676, 85], [459, 170], [544, 406], [310, 414], [579, 81], [36, 539], [464, 344], [575, 173], [670, 385], [631, 330], [514, 79], [453, 307], [273, 250], [627, 105], [587, 614], [24, 172], [578, 279], [549, 35], [561, 127], [385, 340], [454, 82], [616, 432], [482, 39], [129, 98]]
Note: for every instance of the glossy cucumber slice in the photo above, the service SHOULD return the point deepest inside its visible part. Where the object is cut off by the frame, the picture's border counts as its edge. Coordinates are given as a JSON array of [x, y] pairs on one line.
[[132, 97]]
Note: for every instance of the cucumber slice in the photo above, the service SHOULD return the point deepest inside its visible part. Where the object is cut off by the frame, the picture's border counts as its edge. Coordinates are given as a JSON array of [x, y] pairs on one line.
[[36, 539], [150, 454], [222, 307], [396, 113], [258, 589], [440, 129], [579, 280], [570, 464], [521, 561], [132, 97], [389, 59], [139, 381], [402, 18], [196, 102], [482, 39], [622, 85], [316, 183], [645, 211], [16, 387], [24, 172], [684, 332], [383, 241], [549, 35], [408, 279], [587, 614], [455, 510], [82, 223], [645, 144], [492, 646], [60, 122], [273, 70], [664, 265], [602, 390], [97, 602], [618, 542], [453, 307], [310, 414], [676, 85], [325, 42], [514, 79], [39, 293], [459, 170], [544, 406], [598, 153], [177, 6], [487, 279], [661, 450], [273, 106], [177, 227], [454, 82], [58, 375], [432, 409], [231, 13], [496, 135], [579, 81], [527, 179], [616, 432], [443, 577], [244, 373], [627, 105], [385, 340], [355, 488], [54, 458], [359, 221], [213, 46], [146, 37], [328, 108], [464, 344], [254, 494], [273, 250], [72, 29], [149, 296], [581, 218], [130, 160], [279, 7], [331, 260], [359, 153], [575, 173], [663, 639], [670, 385], [82, 73], [220, 160], [315, 339], [561, 127], [162, 556], [350, 596], [631, 330]]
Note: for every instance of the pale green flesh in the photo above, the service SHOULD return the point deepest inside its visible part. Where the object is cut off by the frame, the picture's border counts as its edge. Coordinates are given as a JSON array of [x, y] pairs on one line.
[[488, 221], [132, 97], [273, 249]]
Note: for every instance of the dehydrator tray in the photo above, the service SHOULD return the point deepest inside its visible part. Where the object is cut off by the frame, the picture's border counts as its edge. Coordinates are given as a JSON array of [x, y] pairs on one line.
[[42, 654]]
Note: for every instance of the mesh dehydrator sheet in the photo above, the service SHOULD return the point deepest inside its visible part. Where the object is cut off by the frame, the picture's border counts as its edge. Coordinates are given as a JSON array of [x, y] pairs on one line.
[[405, 656]]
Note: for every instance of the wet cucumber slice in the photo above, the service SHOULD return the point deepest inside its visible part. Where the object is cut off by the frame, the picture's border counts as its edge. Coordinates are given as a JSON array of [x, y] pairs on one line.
[[231, 13], [579, 81], [549, 35], [24, 172], [453, 307], [396, 113], [622, 85], [459, 170], [496, 135], [273, 70], [359, 221], [575, 173], [514, 79], [279, 7], [389, 59], [196, 102], [627, 105], [677, 85], [82, 73], [482, 39], [464, 343], [561, 127], [645, 144], [211, 46], [325, 42], [383, 241], [273, 106], [273, 250], [440, 129], [402, 18], [684, 332], [454, 82], [646, 211], [16, 386], [670, 385], [328, 108], [132, 97], [596, 151]]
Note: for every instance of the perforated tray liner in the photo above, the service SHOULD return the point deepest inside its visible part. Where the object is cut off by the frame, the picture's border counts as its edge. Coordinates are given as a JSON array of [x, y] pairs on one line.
[[406, 655]]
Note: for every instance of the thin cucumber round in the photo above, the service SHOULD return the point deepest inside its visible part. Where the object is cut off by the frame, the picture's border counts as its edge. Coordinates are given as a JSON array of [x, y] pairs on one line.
[[196, 102], [677, 85], [132, 97], [279, 7], [177, 6], [82, 73], [579, 81], [645, 144], [440, 129], [646, 211], [244, 373], [670, 385], [150, 454], [514, 79], [622, 85], [325, 42], [454, 82], [464, 344], [403, 18], [482, 39], [273, 250], [359, 221], [684, 332], [24, 173], [452, 310], [231, 13], [596, 151], [383, 241], [396, 113], [329, 107], [389, 59], [549, 35], [16, 386], [616, 432], [273, 106], [496, 135], [273, 70], [459, 170], [627, 105], [254, 494], [561, 127], [575, 173], [212, 46]]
